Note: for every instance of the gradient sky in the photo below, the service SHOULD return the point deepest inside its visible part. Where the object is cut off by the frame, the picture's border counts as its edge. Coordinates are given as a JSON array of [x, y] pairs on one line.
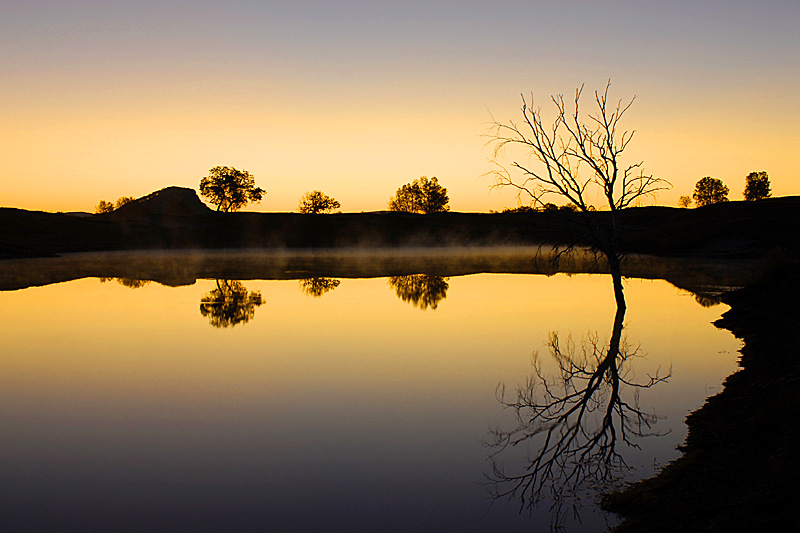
[[355, 98]]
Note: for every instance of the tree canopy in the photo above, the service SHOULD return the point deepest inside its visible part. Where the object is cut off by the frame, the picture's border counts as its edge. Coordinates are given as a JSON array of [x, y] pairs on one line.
[[103, 207], [230, 189], [315, 202], [756, 186], [423, 195], [107, 207], [122, 200], [709, 191]]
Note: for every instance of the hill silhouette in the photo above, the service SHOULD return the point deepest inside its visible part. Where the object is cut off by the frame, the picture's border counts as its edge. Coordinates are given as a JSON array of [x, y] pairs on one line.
[[168, 202]]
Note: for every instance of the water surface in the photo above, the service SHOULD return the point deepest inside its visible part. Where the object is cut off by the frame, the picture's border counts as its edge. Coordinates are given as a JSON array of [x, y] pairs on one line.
[[335, 406]]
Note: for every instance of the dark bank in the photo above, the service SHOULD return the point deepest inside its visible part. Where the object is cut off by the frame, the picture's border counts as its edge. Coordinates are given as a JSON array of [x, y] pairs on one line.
[[175, 218], [739, 467]]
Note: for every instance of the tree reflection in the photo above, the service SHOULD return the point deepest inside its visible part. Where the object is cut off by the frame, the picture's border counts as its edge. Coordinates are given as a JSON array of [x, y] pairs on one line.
[[230, 304], [422, 290], [316, 287], [707, 301], [131, 283], [573, 421]]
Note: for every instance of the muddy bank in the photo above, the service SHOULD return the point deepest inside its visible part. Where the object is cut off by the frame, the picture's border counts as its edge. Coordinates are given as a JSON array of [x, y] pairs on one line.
[[739, 470]]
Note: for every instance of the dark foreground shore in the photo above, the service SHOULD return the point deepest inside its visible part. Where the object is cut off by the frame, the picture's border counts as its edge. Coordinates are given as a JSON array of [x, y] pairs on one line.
[[740, 467]]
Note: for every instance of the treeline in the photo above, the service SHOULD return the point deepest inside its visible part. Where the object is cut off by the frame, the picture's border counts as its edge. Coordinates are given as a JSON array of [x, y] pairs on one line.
[[231, 189], [710, 190]]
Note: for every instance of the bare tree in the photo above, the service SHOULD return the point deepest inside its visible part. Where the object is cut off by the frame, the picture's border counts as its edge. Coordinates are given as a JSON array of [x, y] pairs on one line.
[[576, 157]]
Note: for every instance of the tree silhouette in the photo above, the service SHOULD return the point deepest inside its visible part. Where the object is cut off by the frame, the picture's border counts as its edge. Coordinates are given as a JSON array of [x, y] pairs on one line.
[[315, 202], [573, 158], [230, 304], [709, 191], [103, 207], [757, 186], [422, 290], [316, 287], [230, 189], [573, 422], [423, 195], [122, 200], [684, 202]]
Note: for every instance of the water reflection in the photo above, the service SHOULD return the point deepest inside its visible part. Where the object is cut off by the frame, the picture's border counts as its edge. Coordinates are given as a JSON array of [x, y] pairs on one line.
[[131, 283], [316, 287], [573, 420], [230, 304], [421, 290], [708, 300]]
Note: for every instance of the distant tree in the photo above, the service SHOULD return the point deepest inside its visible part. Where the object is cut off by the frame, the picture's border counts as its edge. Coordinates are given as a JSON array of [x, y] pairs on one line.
[[230, 189], [709, 191], [122, 200], [684, 202], [520, 209], [757, 186], [420, 196], [315, 202], [103, 207]]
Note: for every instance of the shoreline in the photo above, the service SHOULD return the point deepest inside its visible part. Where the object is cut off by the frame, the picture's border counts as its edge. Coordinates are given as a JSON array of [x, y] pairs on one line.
[[738, 470]]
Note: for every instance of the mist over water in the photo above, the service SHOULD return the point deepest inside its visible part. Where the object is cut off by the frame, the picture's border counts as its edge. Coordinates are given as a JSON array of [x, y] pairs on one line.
[[185, 267]]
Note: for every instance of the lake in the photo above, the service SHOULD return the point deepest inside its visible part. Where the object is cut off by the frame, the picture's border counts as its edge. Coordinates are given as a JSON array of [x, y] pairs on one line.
[[320, 402]]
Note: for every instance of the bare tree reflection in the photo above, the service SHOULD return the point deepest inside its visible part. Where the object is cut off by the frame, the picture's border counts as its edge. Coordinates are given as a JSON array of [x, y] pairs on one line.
[[422, 290], [230, 304], [573, 422], [316, 287]]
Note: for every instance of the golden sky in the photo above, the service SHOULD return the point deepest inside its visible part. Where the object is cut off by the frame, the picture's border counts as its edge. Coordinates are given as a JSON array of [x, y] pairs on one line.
[[104, 99]]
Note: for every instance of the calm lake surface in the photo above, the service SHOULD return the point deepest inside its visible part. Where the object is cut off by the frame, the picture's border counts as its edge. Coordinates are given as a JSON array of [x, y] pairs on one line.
[[328, 405]]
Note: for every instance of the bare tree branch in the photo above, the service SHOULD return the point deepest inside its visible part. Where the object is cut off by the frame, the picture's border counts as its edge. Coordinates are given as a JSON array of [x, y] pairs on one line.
[[576, 157]]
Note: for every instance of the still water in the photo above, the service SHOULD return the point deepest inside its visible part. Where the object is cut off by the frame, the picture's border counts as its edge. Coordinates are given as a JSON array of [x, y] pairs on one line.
[[327, 404]]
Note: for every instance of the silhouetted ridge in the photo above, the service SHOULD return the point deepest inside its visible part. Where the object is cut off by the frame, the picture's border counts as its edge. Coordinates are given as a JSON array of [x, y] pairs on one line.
[[171, 201]]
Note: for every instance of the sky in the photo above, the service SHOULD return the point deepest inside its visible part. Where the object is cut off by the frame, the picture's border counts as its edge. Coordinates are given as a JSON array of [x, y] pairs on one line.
[[102, 99]]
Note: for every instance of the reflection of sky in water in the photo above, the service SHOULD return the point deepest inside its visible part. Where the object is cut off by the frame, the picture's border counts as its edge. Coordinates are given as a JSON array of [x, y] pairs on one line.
[[354, 409]]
